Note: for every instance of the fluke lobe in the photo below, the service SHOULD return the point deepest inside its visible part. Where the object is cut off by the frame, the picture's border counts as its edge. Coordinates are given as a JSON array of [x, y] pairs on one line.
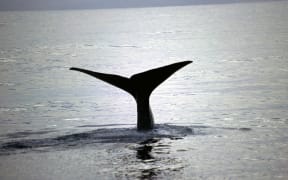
[[140, 86]]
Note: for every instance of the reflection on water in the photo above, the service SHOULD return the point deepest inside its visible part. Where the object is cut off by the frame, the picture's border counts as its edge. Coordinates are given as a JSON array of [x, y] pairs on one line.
[[144, 153], [154, 154], [151, 149]]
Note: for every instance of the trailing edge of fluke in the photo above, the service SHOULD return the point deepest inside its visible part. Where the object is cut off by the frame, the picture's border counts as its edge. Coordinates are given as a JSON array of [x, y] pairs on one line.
[[140, 86]]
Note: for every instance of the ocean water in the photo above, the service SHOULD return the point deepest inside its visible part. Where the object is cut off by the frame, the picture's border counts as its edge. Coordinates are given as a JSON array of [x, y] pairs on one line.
[[222, 117]]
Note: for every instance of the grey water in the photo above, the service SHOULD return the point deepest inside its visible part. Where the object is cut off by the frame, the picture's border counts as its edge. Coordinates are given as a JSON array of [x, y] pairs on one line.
[[223, 117]]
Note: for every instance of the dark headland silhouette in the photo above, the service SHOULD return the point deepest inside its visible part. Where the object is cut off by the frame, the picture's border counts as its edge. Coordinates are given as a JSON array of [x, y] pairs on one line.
[[140, 86]]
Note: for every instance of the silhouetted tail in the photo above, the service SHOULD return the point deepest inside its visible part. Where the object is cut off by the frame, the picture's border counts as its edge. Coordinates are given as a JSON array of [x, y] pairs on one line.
[[147, 81], [116, 80], [139, 84]]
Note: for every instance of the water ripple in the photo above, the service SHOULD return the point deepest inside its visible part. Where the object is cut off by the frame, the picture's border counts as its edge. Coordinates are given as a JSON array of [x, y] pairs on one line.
[[105, 135]]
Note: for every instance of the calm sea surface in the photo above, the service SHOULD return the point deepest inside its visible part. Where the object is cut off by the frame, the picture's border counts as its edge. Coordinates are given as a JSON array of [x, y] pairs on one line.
[[224, 116]]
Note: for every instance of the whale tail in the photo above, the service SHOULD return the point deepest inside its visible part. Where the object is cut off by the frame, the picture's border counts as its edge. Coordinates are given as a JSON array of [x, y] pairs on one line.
[[140, 86], [144, 82]]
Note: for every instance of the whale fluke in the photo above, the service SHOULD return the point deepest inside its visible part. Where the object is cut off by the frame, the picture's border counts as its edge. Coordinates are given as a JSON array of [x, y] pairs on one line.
[[140, 86], [116, 80]]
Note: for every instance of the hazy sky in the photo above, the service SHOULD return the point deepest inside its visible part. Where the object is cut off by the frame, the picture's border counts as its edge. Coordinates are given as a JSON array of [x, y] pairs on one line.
[[90, 4]]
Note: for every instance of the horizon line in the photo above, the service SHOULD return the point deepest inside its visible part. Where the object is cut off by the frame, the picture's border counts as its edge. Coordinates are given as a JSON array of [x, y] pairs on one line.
[[146, 4]]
